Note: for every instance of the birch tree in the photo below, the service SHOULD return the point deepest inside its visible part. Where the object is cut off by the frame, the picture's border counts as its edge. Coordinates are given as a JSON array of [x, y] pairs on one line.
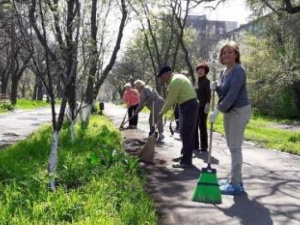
[[14, 57], [100, 58], [66, 33]]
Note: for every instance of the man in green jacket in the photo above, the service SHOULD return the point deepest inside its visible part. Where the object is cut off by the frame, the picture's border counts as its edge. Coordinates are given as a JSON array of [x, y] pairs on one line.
[[182, 92]]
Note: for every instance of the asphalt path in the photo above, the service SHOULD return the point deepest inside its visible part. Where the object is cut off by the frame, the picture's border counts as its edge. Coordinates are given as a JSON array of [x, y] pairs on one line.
[[19, 124], [271, 178]]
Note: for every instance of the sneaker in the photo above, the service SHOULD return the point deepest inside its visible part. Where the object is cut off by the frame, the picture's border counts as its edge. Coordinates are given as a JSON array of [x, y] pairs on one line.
[[177, 159], [203, 149], [182, 165], [160, 137], [227, 181], [231, 189], [223, 182], [177, 137]]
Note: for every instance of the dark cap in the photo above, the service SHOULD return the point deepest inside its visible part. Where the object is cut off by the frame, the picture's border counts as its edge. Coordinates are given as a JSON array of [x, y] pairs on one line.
[[164, 70]]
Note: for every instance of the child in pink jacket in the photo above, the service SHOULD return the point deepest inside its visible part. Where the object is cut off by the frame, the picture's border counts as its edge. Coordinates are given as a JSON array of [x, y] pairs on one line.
[[131, 98]]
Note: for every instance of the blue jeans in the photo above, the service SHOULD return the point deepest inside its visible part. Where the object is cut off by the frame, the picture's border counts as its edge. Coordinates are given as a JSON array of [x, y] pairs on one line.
[[188, 114]]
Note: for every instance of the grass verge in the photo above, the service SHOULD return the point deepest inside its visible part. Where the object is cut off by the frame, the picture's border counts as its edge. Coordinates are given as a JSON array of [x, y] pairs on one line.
[[30, 104], [97, 182], [261, 130], [22, 104]]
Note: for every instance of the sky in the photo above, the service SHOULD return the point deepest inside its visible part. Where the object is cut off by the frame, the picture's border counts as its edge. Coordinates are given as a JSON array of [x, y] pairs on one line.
[[234, 10]]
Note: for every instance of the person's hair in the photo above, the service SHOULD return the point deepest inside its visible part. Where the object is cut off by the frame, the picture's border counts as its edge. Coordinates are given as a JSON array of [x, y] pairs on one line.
[[233, 45], [139, 83], [127, 85], [203, 66]]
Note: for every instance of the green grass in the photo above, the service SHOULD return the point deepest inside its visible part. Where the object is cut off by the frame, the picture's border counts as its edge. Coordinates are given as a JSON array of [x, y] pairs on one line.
[[260, 130], [22, 104], [98, 183], [30, 104]]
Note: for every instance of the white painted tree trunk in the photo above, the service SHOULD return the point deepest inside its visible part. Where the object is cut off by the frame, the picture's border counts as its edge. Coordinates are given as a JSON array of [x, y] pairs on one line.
[[85, 113], [53, 159], [72, 131]]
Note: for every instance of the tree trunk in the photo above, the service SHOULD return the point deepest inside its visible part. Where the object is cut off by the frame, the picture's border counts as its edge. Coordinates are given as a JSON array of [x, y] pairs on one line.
[[14, 91], [34, 92], [85, 113], [296, 89], [89, 95], [53, 159], [39, 94], [38, 89], [4, 85], [23, 89], [58, 89], [72, 131]]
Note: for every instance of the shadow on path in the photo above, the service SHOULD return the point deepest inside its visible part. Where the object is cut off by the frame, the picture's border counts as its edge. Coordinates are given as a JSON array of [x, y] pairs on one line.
[[248, 211], [204, 157]]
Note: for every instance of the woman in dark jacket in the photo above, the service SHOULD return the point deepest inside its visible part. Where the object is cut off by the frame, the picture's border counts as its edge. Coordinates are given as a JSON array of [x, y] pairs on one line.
[[202, 87]]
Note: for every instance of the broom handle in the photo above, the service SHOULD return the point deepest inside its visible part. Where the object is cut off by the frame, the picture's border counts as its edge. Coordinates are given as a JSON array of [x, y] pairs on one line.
[[153, 115], [211, 124], [153, 122], [123, 121]]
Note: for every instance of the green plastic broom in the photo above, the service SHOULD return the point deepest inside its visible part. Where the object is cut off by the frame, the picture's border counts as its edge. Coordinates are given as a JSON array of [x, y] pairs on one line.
[[207, 189]]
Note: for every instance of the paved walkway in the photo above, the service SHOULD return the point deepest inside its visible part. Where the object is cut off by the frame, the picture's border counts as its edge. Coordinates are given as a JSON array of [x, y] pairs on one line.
[[271, 180], [18, 125]]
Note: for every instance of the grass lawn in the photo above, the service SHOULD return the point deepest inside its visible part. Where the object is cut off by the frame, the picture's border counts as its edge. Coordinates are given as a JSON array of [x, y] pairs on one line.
[[30, 104], [261, 131], [97, 182], [23, 104]]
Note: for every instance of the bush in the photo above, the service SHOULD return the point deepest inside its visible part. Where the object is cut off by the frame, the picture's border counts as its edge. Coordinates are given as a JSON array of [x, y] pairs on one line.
[[7, 107]]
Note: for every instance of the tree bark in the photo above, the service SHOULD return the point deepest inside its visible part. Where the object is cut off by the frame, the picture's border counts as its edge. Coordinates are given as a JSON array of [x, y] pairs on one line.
[[89, 96], [34, 91], [96, 79], [4, 84], [14, 91], [53, 159]]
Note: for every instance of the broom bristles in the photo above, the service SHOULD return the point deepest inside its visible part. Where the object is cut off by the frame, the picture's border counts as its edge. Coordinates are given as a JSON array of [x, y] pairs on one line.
[[207, 189], [147, 152]]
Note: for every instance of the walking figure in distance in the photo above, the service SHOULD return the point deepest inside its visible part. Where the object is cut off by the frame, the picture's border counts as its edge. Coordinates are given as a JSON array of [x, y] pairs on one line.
[[131, 98]]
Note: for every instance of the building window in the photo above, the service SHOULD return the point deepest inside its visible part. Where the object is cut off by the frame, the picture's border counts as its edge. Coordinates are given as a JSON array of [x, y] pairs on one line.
[[220, 30]]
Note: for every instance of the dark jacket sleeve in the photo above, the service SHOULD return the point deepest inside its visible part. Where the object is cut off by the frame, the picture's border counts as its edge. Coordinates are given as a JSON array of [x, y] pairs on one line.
[[208, 91]]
